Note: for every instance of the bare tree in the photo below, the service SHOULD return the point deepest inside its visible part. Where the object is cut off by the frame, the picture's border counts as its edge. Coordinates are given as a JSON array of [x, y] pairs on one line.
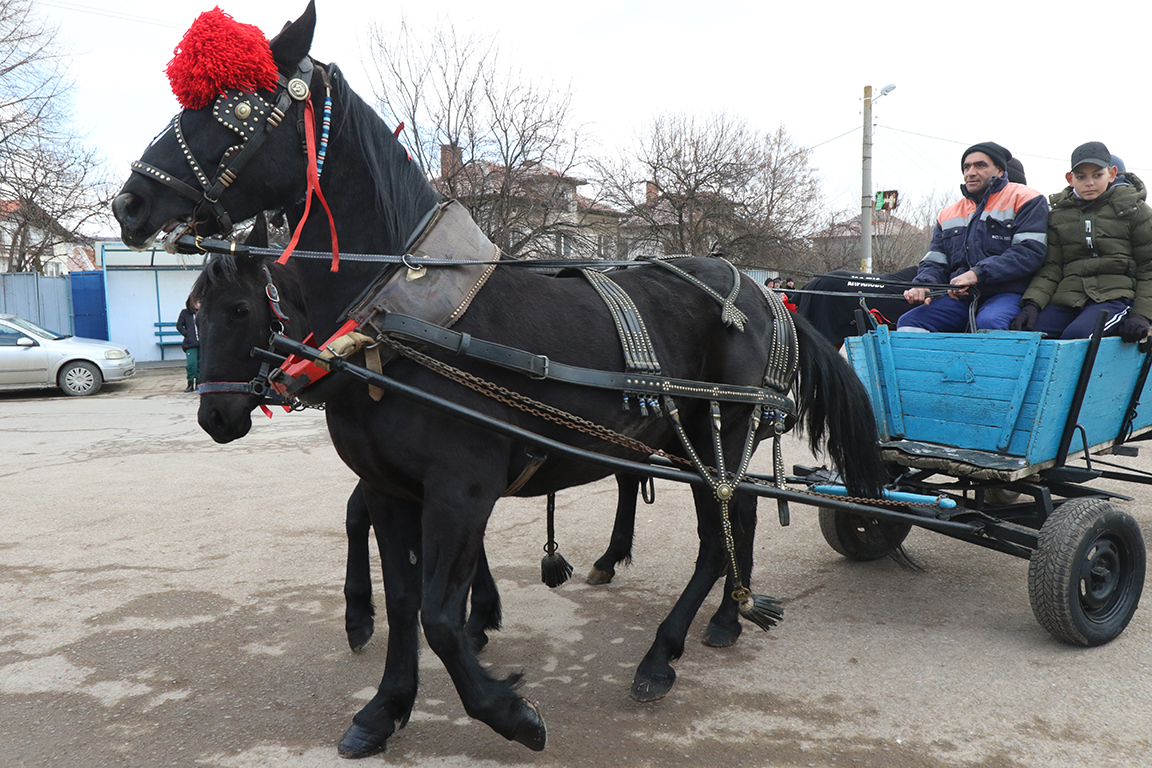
[[51, 186], [899, 238], [488, 136], [701, 184], [31, 75], [52, 191]]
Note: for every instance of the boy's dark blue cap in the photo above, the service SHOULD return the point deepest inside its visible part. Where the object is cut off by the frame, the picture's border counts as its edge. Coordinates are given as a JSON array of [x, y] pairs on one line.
[[1093, 152]]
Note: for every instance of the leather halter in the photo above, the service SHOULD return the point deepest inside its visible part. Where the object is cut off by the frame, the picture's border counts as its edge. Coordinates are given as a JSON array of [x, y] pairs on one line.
[[250, 116], [259, 386]]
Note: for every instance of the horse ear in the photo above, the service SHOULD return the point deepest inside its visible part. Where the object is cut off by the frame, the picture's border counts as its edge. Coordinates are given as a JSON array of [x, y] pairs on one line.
[[258, 236], [294, 41]]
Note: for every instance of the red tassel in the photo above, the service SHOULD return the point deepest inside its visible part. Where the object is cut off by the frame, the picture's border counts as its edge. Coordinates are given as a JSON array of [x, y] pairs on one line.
[[217, 53]]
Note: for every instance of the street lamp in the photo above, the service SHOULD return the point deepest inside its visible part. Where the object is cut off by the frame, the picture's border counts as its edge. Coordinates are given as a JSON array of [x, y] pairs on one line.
[[867, 202]]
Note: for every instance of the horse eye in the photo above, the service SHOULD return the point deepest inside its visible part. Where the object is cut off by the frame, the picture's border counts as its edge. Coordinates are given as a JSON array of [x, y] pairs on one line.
[[240, 310]]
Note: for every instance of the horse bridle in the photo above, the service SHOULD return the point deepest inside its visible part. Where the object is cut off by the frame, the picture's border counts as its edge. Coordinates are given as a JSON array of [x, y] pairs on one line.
[[250, 116], [258, 386]]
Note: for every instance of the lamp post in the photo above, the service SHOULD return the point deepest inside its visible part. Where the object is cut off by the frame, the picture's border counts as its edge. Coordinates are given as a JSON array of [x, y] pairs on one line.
[[867, 203]]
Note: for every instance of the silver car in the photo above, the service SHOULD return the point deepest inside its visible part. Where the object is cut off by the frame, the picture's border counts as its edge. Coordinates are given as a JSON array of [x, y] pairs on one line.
[[32, 357]]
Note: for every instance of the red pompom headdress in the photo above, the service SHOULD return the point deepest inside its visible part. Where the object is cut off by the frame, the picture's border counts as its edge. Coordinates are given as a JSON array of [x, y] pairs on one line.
[[217, 53]]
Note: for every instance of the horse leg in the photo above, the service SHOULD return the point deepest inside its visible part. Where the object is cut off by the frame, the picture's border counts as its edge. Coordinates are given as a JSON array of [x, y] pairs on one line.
[[724, 628], [358, 609], [455, 514], [620, 545], [397, 525], [486, 613], [655, 676]]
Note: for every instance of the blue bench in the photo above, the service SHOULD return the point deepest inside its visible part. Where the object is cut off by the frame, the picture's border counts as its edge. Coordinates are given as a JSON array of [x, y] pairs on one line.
[[167, 336]]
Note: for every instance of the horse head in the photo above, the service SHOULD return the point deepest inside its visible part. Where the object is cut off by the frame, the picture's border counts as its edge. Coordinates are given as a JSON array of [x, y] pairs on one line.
[[242, 302], [222, 159]]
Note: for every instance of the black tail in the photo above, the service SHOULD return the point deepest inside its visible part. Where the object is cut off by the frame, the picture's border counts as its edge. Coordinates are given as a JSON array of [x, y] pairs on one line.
[[832, 401]]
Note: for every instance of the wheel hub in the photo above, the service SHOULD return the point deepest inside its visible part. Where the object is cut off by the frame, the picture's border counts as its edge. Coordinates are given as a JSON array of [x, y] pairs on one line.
[[1099, 575]]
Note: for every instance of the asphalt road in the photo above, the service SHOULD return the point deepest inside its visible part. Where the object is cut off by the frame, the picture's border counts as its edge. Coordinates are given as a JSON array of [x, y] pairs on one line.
[[165, 601]]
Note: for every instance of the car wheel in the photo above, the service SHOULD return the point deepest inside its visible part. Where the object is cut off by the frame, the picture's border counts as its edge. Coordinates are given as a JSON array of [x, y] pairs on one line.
[[79, 378]]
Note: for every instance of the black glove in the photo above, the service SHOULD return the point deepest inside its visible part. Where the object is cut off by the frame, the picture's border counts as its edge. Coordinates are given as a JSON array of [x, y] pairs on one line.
[[1133, 328], [1026, 320]]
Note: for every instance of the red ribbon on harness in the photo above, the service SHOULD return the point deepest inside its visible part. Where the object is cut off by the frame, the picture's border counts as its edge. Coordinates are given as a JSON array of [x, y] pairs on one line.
[[313, 186]]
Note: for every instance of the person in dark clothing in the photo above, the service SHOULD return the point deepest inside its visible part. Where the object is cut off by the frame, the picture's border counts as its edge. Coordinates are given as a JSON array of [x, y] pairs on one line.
[[1015, 172], [186, 324], [992, 240], [1099, 255]]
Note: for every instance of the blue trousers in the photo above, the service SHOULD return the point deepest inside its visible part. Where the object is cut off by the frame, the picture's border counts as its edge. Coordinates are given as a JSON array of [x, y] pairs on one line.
[[1079, 322], [948, 315]]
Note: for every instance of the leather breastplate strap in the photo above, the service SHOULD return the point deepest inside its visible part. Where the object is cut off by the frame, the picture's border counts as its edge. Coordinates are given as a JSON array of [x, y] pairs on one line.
[[540, 367]]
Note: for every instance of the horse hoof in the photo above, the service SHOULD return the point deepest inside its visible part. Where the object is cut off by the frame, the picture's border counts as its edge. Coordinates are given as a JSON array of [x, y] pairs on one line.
[[597, 577], [531, 731], [717, 636], [358, 742], [651, 689], [359, 637]]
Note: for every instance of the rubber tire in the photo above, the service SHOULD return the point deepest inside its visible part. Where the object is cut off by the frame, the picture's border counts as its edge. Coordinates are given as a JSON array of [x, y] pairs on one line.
[[846, 533], [1086, 576], [79, 379], [1000, 497]]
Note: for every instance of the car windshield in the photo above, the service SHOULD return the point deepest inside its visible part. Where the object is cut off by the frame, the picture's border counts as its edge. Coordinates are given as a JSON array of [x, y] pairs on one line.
[[34, 329]]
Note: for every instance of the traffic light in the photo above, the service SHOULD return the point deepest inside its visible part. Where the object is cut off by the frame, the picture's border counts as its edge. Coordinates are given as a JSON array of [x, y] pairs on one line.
[[887, 200]]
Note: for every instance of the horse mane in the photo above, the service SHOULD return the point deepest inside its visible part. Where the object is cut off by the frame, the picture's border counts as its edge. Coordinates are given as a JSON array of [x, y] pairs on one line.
[[223, 268], [394, 176], [219, 269]]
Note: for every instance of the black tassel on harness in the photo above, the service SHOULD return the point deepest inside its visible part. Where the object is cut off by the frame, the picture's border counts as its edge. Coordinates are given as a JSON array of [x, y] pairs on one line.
[[554, 569], [761, 610]]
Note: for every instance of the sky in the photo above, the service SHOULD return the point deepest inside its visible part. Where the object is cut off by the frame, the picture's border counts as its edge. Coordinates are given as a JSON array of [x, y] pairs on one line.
[[1035, 77]]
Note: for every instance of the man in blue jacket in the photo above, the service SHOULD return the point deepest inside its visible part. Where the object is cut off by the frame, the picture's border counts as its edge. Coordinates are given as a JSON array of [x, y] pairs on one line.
[[986, 246]]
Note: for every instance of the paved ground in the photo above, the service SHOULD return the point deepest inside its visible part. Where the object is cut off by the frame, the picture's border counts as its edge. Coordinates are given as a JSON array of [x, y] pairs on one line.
[[165, 601]]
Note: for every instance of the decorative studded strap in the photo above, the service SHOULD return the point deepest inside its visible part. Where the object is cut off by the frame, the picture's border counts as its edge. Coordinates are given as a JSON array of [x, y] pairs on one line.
[[639, 354], [729, 313]]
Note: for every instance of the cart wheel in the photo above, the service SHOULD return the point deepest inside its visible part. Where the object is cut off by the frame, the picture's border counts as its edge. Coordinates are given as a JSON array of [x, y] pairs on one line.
[[1000, 497], [1085, 578], [861, 538]]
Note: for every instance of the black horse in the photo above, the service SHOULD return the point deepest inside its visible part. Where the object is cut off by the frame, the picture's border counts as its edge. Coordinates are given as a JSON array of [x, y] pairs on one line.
[[441, 476], [218, 284]]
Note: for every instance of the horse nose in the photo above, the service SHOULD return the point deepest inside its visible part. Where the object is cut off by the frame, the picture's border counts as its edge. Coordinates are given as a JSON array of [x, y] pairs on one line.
[[127, 208]]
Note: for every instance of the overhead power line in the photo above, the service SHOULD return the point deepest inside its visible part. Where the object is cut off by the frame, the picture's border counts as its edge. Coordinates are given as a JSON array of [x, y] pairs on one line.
[[110, 14]]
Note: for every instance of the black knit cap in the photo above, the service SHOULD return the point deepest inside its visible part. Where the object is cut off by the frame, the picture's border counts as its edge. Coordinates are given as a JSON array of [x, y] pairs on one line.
[[1015, 172], [1000, 156]]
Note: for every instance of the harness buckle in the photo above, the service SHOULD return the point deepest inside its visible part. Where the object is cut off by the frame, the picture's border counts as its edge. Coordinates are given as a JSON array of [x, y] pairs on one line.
[[544, 373]]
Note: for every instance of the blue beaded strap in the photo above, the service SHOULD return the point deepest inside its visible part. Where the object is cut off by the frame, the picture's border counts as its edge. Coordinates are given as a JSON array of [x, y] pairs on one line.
[[324, 126]]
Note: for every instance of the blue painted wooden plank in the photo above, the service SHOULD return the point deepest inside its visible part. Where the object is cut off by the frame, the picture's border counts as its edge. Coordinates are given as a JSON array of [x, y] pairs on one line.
[[863, 359], [972, 436], [887, 368], [1025, 377], [1059, 383]]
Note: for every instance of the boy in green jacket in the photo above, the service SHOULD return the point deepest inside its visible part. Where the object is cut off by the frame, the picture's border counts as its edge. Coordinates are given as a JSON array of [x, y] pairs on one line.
[[1099, 256]]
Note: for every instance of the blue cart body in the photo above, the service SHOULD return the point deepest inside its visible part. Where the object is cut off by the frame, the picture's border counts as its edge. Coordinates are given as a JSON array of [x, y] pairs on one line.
[[1002, 393]]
